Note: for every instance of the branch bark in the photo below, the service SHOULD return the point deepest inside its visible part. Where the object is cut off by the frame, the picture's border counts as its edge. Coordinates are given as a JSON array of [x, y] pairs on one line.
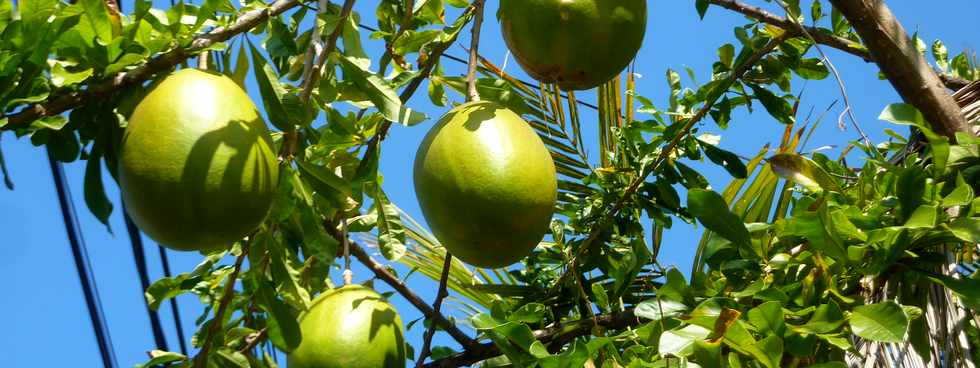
[[436, 306], [900, 61], [821, 36], [557, 335], [380, 272], [314, 76], [201, 359], [63, 102]]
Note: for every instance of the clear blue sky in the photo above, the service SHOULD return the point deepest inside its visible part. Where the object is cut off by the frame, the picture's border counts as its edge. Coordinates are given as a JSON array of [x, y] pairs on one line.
[[42, 304]]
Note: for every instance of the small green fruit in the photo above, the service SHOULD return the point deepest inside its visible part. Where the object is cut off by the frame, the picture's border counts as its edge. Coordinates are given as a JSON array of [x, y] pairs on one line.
[[577, 44], [350, 327], [197, 170], [486, 184]]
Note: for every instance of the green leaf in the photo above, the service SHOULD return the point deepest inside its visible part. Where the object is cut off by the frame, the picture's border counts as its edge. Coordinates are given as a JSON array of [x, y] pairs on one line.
[[95, 197], [726, 159], [827, 318], [961, 196], [326, 183], [681, 342], [271, 90], [228, 358], [923, 217], [941, 55], [35, 12], [883, 322], [777, 106], [768, 318], [283, 327], [391, 232], [906, 114], [657, 309], [381, 94], [768, 351], [162, 358], [530, 313], [812, 69], [241, 67], [803, 171], [966, 229], [98, 17], [702, 7], [968, 291], [711, 209]]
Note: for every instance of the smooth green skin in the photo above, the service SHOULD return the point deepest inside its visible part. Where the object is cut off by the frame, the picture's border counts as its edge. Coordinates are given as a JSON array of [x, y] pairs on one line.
[[577, 44], [350, 327], [486, 184], [197, 169]]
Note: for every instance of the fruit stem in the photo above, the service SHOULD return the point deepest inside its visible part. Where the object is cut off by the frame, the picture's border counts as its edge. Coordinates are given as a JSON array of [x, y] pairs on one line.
[[348, 274], [202, 60], [472, 94], [426, 345]]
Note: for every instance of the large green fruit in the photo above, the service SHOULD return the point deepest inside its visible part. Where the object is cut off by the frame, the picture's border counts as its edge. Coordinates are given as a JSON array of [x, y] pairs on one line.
[[577, 44], [486, 184], [197, 169], [350, 327]]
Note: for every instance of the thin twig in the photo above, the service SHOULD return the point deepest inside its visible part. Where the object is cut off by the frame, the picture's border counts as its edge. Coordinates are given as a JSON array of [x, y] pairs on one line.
[[472, 94], [253, 340], [821, 36], [314, 77], [316, 45], [665, 153], [840, 82], [436, 306], [556, 335], [382, 273], [202, 357], [60, 103]]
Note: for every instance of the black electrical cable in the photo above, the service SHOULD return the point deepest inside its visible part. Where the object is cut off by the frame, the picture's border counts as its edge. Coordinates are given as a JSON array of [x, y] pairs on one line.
[[165, 263], [82, 264], [139, 257]]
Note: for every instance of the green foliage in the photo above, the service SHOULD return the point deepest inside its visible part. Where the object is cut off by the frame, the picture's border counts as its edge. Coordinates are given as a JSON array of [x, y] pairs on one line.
[[802, 255]]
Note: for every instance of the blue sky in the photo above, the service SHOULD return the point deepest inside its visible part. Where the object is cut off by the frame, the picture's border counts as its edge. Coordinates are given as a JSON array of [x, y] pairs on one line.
[[43, 302]]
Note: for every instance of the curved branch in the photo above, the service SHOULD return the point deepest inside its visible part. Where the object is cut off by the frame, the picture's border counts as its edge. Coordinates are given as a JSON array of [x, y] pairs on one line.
[[900, 61], [380, 272], [58, 104], [557, 335], [821, 36]]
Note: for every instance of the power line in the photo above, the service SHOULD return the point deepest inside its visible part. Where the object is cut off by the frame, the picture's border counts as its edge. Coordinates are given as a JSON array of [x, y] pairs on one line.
[[165, 263], [139, 258], [82, 264]]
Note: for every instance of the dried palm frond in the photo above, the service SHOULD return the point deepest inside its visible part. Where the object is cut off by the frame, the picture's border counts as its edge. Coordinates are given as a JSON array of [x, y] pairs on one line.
[[968, 98]]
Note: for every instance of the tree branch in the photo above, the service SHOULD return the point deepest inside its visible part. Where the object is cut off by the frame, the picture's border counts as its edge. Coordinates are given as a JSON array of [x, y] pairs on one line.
[[471, 93], [714, 95], [314, 76], [557, 335], [63, 102], [900, 61], [819, 35], [380, 272], [427, 343], [202, 356]]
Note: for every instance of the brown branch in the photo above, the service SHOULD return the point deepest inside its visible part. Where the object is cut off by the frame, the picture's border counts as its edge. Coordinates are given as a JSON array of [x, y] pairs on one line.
[[314, 76], [406, 292], [821, 36], [253, 340], [556, 336], [437, 305], [471, 93], [202, 356], [63, 102], [900, 61]]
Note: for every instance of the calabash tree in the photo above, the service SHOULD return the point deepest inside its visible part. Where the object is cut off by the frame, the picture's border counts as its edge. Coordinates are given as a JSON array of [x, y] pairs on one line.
[[805, 259]]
